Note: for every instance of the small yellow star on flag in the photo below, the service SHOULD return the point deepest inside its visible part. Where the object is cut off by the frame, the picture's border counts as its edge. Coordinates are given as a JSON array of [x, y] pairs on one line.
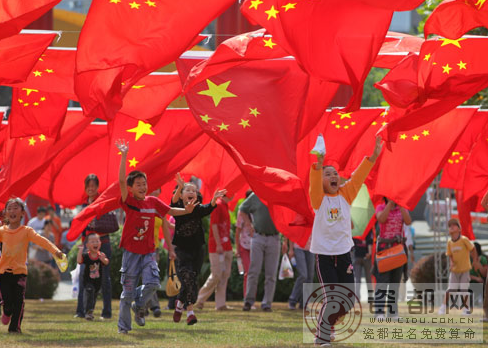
[[272, 13], [403, 136], [254, 112], [49, 71], [135, 5], [32, 141], [425, 133], [205, 118], [415, 137], [141, 129], [244, 123], [133, 162], [446, 68], [138, 86], [255, 4], [384, 123], [150, 3], [42, 137], [289, 6], [42, 99], [37, 73], [451, 42], [353, 123], [223, 126], [427, 57], [115, 1], [269, 43], [374, 123], [461, 65], [217, 92]]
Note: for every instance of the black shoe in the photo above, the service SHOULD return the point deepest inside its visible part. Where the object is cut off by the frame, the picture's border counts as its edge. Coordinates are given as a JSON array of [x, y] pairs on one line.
[[247, 307], [157, 313], [267, 309]]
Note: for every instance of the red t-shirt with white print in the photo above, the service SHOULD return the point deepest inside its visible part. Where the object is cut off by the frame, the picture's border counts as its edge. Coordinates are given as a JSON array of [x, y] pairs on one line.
[[220, 217], [138, 232]]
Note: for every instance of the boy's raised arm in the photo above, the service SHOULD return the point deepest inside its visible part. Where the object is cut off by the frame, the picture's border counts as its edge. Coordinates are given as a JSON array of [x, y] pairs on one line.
[[124, 149]]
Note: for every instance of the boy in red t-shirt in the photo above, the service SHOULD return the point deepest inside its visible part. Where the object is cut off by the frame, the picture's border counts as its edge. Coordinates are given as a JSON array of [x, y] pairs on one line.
[[220, 256], [139, 258]]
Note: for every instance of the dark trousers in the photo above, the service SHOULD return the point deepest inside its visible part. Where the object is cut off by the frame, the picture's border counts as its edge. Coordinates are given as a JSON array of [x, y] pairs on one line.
[[188, 265], [333, 269], [386, 293], [12, 287], [106, 286], [90, 294]]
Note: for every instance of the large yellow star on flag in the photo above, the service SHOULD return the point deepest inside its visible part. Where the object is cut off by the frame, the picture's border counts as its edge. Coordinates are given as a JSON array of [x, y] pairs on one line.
[[141, 129], [133, 162], [480, 4], [451, 42], [255, 4], [135, 5], [272, 12], [344, 114], [32, 141], [205, 118], [244, 123], [223, 126], [269, 43], [289, 6], [217, 92], [254, 112]]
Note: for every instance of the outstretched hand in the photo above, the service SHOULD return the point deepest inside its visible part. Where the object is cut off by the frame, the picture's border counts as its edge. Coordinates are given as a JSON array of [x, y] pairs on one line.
[[122, 146], [191, 205], [377, 149], [179, 180], [218, 194]]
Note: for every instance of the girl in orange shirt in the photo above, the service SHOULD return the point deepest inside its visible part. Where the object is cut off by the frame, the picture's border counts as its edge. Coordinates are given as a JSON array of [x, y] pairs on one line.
[[13, 270]]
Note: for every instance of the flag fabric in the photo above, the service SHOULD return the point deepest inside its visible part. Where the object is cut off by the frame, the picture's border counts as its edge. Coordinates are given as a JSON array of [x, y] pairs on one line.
[[248, 100], [405, 172], [464, 208], [151, 95], [395, 5], [455, 167], [115, 50], [19, 54], [449, 73], [454, 18], [35, 112], [16, 15], [395, 47], [333, 40], [25, 159]]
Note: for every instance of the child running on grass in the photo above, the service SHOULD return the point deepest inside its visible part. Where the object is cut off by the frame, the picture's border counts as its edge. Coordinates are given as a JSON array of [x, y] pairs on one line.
[[13, 270], [139, 257], [331, 232], [189, 240], [94, 260]]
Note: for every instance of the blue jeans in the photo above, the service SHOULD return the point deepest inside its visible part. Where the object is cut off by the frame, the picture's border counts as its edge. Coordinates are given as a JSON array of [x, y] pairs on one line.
[[106, 285], [135, 267], [305, 267]]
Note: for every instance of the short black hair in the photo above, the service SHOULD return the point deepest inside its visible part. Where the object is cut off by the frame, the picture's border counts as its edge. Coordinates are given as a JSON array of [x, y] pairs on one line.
[[90, 234], [91, 177], [15, 200], [134, 175], [41, 209]]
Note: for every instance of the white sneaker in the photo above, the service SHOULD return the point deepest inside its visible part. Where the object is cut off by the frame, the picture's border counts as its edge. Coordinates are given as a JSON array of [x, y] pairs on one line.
[[442, 309]]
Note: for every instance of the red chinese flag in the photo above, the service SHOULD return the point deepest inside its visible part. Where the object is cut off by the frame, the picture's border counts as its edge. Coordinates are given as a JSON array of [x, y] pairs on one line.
[[464, 213], [476, 174], [19, 54], [418, 155], [151, 95], [333, 40], [454, 169], [16, 15], [115, 50], [449, 73], [53, 73], [454, 18], [25, 159]]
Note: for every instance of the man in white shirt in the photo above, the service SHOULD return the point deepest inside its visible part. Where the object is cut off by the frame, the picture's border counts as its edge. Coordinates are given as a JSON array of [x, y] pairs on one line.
[[37, 222]]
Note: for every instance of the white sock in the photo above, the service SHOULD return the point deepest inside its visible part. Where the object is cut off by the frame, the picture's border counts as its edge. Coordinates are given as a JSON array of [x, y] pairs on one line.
[[179, 306], [189, 313]]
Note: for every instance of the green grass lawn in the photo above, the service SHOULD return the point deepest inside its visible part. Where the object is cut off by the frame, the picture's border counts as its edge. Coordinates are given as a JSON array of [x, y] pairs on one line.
[[51, 324]]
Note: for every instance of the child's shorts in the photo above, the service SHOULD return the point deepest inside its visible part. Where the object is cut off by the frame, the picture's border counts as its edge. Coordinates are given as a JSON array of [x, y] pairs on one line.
[[459, 281]]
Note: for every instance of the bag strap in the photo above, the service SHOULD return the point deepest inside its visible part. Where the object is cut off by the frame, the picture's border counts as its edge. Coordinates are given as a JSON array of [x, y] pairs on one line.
[[171, 269]]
